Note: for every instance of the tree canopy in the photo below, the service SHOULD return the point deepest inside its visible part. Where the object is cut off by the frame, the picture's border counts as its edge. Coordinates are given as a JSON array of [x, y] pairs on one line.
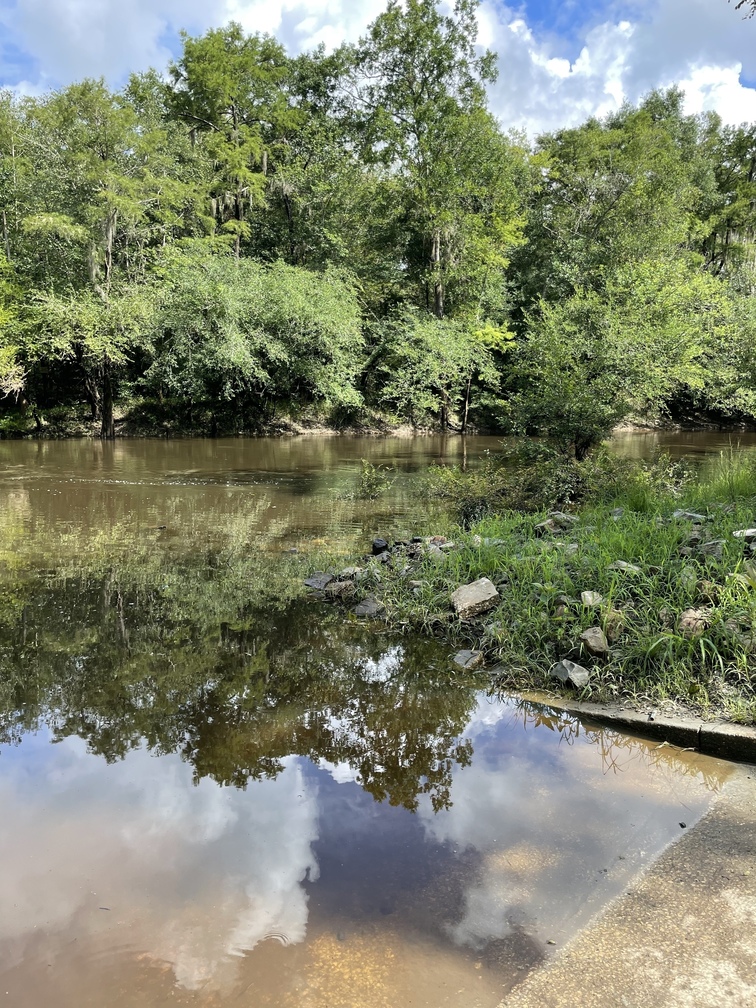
[[353, 235]]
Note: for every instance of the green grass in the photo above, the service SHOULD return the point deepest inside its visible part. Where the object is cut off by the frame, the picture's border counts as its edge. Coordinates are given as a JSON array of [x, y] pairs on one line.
[[650, 659]]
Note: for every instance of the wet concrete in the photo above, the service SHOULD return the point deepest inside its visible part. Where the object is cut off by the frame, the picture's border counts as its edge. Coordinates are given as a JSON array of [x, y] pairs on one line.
[[682, 936]]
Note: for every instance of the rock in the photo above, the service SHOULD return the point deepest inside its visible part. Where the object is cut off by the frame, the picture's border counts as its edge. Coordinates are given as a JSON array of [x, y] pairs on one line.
[[595, 642], [614, 624], [617, 513], [468, 659], [709, 591], [437, 539], [562, 520], [369, 607], [689, 578], [748, 535], [379, 546], [476, 541], [434, 551], [340, 589], [444, 546], [686, 551], [712, 549], [350, 574], [416, 584], [591, 598], [623, 565], [693, 622], [568, 672], [417, 539], [548, 527], [319, 580], [384, 557], [477, 597], [691, 516]]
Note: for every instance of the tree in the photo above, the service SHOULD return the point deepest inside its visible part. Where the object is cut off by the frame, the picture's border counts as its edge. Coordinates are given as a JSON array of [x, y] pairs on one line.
[[419, 102], [229, 88]]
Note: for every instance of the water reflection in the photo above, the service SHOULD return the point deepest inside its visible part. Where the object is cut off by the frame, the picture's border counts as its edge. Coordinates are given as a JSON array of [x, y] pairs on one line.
[[216, 794]]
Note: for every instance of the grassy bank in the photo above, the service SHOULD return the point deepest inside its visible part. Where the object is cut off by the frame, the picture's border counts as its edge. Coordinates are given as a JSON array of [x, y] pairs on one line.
[[678, 611]]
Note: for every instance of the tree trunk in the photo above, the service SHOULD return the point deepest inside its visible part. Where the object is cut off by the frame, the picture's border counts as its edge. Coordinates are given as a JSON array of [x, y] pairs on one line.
[[467, 404], [107, 429], [93, 395], [438, 282]]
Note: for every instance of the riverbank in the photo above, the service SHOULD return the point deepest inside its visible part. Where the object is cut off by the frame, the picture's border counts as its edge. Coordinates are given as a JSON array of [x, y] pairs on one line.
[[649, 598]]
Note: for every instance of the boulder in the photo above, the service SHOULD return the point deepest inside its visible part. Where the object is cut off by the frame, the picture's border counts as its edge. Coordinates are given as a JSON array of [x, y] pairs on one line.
[[319, 580], [469, 659], [379, 546], [477, 597], [570, 673], [369, 607], [350, 574], [595, 642]]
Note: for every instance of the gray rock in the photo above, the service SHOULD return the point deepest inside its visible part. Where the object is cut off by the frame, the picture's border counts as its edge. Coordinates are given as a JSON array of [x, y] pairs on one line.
[[379, 546], [595, 642], [548, 527], [384, 557], [690, 516], [623, 565], [468, 659], [562, 520], [617, 513], [477, 597], [340, 589], [711, 549], [570, 673], [689, 578], [591, 598], [319, 580], [350, 574], [748, 535], [369, 607]]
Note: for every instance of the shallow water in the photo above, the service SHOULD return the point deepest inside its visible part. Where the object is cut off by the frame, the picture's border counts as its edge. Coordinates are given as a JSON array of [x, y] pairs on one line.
[[214, 796]]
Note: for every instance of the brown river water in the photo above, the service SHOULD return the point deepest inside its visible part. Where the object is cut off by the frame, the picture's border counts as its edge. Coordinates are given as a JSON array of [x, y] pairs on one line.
[[211, 798]]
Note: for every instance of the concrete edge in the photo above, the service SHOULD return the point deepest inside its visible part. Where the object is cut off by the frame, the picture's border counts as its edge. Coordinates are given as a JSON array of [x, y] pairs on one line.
[[712, 738]]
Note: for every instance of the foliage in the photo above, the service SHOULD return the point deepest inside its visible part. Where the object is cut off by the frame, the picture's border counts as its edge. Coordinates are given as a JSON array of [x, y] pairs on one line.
[[251, 234]]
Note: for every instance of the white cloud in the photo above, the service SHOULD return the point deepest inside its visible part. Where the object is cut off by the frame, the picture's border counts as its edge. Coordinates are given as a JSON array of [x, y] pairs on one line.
[[702, 45], [196, 875]]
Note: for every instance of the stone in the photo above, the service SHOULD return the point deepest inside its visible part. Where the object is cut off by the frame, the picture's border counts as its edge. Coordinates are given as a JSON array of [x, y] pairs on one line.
[[570, 673], [691, 516], [379, 546], [712, 549], [709, 591], [748, 535], [477, 597], [340, 589], [617, 513], [384, 557], [623, 565], [434, 551], [693, 622], [469, 659], [562, 520], [350, 574], [689, 578], [319, 580], [369, 607], [548, 527], [595, 642], [614, 624], [591, 598]]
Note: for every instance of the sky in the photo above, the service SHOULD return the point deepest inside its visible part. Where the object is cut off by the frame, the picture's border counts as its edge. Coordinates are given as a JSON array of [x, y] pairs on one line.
[[560, 61]]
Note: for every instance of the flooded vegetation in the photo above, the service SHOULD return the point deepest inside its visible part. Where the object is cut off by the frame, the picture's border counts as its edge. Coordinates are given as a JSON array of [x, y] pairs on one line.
[[216, 793]]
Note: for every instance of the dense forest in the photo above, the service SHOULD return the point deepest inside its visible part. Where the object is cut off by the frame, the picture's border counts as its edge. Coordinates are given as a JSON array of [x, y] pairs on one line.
[[348, 236]]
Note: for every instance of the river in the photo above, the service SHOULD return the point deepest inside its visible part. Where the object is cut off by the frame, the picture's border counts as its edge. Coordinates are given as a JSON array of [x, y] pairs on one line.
[[214, 795]]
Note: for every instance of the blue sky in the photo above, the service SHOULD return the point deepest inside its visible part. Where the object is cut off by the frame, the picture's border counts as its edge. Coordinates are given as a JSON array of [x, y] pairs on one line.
[[559, 61]]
